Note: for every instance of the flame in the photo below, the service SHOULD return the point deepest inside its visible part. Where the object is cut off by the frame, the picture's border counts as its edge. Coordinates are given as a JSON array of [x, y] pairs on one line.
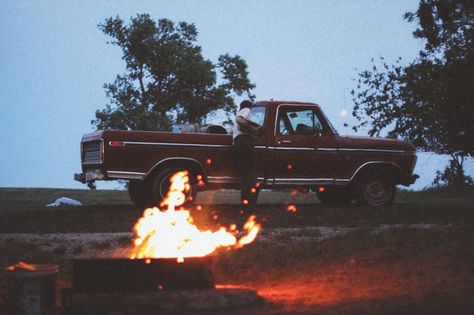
[[171, 233]]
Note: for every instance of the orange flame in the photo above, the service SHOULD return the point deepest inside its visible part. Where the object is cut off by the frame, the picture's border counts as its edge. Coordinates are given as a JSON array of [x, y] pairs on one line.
[[172, 234]]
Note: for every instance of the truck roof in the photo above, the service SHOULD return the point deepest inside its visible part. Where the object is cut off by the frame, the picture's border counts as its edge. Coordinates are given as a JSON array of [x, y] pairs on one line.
[[279, 102]]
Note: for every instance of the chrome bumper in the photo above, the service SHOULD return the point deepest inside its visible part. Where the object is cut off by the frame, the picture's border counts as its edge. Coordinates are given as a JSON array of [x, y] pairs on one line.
[[410, 180], [90, 176]]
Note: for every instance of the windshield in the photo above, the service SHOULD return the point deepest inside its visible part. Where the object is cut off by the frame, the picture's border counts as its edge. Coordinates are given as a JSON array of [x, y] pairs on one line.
[[329, 123]]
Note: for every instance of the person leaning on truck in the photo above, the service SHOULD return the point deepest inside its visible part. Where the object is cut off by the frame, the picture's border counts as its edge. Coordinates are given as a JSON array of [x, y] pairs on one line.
[[244, 154]]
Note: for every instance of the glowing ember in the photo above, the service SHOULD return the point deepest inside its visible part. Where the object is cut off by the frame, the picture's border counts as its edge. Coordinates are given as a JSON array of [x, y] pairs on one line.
[[291, 208], [22, 265], [171, 233]]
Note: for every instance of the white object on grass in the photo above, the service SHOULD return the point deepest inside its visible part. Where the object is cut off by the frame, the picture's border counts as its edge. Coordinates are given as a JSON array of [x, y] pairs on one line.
[[64, 201]]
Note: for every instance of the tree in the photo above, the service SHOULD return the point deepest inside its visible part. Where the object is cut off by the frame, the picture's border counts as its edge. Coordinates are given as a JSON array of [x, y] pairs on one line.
[[166, 77], [430, 102]]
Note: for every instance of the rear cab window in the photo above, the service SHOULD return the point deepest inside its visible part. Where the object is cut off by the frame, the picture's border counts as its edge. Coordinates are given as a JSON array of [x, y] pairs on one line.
[[257, 114]]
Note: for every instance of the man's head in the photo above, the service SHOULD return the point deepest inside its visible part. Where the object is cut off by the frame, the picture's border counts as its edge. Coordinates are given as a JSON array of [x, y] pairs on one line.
[[245, 104]]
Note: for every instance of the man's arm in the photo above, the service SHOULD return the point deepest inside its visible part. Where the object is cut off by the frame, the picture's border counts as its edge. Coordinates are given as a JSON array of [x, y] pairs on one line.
[[249, 126]]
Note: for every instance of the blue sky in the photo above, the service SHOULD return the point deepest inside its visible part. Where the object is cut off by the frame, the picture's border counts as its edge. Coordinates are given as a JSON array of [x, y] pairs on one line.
[[54, 62]]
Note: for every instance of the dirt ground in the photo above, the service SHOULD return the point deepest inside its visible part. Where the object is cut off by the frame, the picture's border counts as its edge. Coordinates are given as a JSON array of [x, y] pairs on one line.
[[415, 257], [402, 277]]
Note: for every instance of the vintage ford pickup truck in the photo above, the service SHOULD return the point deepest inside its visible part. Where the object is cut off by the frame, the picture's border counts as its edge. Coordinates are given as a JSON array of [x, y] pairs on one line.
[[299, 149]]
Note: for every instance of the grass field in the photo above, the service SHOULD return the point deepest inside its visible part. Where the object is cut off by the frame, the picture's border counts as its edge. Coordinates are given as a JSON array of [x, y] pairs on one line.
[[415, 256]]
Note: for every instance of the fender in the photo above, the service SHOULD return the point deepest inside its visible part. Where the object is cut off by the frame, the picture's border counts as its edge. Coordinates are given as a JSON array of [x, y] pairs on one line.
[[375, 162], [175, 161]]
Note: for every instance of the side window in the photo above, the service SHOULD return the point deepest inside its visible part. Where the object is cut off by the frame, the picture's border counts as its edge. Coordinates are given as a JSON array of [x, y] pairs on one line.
[[298, 122], [257, 114]]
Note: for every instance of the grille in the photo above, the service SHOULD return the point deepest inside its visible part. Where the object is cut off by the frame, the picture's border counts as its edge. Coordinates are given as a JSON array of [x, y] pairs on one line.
[[92, 152]]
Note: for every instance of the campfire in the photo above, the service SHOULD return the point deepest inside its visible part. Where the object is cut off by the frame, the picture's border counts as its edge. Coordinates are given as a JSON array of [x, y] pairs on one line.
[[170, 252], [171, 233]]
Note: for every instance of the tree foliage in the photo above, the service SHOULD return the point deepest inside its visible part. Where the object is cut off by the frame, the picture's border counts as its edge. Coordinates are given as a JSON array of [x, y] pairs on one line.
[[429, 102], [166, 76], [453, 175]]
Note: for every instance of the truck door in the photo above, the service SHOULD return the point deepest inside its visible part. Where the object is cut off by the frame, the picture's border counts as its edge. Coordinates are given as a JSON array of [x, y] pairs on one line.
[[302, 154]]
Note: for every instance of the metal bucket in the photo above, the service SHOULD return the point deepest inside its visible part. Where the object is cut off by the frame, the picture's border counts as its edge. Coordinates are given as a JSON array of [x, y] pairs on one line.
[[30, 291]]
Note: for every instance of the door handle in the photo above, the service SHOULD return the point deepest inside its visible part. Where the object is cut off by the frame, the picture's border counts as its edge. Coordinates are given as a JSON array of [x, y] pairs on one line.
[[285, 141]]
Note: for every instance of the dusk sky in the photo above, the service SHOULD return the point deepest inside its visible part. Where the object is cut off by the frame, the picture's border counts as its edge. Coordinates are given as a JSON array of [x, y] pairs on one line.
[[54, 61]]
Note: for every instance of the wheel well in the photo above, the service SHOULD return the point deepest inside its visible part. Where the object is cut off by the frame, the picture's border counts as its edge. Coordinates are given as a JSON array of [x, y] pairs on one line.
[[392, 169], [189, 164]]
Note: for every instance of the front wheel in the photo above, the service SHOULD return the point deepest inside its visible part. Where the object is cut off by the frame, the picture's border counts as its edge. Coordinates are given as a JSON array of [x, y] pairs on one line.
[[162, 182], [138, 193], [375, 189]]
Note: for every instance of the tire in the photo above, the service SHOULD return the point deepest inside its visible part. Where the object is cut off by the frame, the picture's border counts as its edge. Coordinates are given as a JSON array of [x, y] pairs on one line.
[[161, 183], [138, 193], [375, 189], [336, 196]]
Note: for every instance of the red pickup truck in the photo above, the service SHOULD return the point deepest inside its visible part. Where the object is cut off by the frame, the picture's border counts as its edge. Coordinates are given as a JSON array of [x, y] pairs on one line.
[[300, 149]]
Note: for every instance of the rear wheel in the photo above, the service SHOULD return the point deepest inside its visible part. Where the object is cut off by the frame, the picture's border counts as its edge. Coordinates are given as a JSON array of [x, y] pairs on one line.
[[375, 189], [162, 182]]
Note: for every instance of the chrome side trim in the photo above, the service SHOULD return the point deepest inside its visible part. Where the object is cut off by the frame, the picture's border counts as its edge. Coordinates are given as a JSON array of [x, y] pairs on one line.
[[340, 149], [125, 175], [185, 144], [371, 150], [227, 179], [175, 144], [292, 148], [306, 181]]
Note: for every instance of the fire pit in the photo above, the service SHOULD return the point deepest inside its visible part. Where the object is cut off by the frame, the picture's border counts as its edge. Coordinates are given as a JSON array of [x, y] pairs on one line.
[[168, 270], [142, 275]]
